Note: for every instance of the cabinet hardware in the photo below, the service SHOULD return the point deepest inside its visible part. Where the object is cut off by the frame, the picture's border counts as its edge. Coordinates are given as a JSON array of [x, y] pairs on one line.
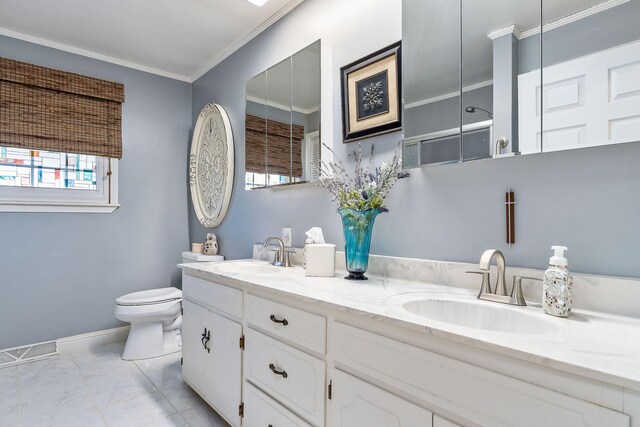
[[275, 371], [242, 342], [206, 336], [241, 409], [274, 319], [330, 388], [181, 361]]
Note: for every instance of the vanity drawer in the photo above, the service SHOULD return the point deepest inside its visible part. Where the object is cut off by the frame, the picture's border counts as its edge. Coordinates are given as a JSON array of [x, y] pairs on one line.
[[289, 375], [301, 327], [486, 397], [261, 410], [212, 295]]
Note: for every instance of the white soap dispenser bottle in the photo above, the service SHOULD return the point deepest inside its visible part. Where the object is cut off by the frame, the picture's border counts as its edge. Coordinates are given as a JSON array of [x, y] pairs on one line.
[[557, 285]]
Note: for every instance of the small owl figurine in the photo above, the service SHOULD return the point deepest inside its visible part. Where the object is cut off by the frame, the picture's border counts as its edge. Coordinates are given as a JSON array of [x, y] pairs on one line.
[[210, 246]]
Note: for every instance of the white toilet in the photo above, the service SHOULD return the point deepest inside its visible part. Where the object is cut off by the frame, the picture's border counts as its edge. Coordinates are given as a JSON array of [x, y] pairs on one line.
[[155, 322]]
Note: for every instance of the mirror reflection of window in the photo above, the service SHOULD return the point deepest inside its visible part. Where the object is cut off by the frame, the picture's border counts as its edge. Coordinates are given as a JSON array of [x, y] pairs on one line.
[[282, 140]]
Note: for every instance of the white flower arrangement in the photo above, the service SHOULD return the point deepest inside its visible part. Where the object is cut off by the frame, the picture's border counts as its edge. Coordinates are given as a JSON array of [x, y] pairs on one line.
[[364, 190]]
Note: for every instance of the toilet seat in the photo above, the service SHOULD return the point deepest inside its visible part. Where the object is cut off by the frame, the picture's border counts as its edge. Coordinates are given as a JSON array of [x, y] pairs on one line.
[[149, 297]]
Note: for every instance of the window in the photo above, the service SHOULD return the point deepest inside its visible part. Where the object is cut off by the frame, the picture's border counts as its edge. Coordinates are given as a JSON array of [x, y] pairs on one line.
[[60, 136], [47, 181]]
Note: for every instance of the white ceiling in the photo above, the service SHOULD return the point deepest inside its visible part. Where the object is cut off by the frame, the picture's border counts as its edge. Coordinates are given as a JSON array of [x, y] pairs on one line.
[[181, 39]]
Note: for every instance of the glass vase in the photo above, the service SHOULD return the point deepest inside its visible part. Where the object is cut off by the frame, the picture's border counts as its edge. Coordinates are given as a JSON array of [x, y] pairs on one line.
[[357, 226]]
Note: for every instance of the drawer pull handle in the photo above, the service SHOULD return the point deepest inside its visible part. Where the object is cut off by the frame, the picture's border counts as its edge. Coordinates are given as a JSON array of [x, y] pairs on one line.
[[274, 319], [275, 371], [206, 336]]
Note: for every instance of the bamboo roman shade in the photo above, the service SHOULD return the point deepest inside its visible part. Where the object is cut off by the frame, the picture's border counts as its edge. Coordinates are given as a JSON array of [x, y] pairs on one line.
[[46, 109], [282, 154]]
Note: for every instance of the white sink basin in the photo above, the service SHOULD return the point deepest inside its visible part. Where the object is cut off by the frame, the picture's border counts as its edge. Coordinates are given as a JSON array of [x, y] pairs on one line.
[[482, 315], [251, 268]]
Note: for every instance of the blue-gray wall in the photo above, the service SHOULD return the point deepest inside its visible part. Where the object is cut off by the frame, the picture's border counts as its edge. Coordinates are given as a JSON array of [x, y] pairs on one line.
[[60, 273], [586, 199]]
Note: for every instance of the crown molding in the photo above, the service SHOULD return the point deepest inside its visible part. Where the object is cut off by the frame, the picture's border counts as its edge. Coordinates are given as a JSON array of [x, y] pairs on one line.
[[449, 95], [511, 29], [573, 18], [91, 54]]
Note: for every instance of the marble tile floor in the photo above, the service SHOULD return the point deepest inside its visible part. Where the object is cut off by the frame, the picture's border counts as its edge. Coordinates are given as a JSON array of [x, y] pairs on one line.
[[94, 387]]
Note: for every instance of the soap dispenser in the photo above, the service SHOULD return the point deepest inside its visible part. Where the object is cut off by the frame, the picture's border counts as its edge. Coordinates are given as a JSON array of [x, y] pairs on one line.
[[557, 284]]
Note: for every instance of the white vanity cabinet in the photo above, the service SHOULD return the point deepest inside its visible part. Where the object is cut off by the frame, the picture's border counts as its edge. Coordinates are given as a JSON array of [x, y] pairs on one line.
[[306, 364], [211, 350]]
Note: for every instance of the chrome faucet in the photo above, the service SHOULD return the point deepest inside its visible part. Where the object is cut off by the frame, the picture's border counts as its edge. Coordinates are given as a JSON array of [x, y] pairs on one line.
[[499, 293], [281, 258]]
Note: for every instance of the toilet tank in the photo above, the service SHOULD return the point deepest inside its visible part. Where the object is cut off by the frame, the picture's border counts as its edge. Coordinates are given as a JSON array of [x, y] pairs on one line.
[[188, 256]]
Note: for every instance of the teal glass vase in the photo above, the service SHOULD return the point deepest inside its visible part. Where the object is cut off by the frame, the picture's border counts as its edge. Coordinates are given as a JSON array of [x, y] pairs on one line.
[[357, 227]]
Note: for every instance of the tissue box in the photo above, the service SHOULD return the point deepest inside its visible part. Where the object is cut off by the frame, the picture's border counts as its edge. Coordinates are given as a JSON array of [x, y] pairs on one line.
[[320, 260]]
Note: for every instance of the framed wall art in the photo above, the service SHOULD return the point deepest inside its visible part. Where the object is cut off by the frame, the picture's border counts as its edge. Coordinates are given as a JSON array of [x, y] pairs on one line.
[[371, 94]]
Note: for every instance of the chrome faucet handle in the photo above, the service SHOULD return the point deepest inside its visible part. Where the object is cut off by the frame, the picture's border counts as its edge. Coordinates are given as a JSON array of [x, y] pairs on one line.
[[516, 290], [276, 257], [287, 256], [486, 283]]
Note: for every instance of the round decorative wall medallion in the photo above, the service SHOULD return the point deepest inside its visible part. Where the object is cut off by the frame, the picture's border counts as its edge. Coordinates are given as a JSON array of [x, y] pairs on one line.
[[211, 165]]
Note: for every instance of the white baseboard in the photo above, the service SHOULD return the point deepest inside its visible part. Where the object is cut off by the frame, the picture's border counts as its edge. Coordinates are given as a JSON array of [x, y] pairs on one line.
[[85, 341]]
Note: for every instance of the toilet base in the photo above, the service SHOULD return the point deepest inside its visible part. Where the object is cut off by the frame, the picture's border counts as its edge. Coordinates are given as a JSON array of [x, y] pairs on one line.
[[149, 339]]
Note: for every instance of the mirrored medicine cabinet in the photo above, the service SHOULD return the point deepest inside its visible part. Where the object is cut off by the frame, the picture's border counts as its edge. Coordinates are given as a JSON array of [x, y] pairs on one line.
[[481, 80], [282, 122]]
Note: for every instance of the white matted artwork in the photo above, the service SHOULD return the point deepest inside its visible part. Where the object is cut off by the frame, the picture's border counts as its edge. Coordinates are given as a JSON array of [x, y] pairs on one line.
[[211, 165]]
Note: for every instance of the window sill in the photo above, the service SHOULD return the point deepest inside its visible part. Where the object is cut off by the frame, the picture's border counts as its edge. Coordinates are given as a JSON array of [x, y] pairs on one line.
[[63, 207]]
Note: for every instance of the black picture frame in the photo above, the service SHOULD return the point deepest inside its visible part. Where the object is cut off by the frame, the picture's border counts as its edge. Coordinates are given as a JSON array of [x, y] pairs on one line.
[[371, 94]]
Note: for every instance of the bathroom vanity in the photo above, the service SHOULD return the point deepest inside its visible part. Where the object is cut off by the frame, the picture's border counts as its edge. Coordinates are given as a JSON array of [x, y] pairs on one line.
[[265, 345]]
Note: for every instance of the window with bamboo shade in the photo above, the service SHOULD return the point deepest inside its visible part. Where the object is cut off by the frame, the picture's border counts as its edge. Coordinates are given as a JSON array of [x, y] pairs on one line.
[[59, 131], [47, 109]]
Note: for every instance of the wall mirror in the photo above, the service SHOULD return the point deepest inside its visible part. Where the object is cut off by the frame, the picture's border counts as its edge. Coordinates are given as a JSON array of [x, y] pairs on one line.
[[591, 75], [282, 122], [578, 81]]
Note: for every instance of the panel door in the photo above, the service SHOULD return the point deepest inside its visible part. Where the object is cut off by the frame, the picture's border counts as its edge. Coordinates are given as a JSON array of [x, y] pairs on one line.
[[589, 101], [213, 365], [194, 369], [357, 403]]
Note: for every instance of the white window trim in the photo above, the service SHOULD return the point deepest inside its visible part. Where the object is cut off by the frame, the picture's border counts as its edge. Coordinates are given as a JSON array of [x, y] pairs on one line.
[[21, 199]]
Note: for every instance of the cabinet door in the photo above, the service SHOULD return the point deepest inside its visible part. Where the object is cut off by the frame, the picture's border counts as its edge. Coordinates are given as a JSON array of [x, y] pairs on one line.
[[214, 369], [357, 403], [194, 369]]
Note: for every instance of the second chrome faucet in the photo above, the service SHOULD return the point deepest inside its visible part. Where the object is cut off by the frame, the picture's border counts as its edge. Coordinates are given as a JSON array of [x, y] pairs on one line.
[[282, 256], [499, 292]]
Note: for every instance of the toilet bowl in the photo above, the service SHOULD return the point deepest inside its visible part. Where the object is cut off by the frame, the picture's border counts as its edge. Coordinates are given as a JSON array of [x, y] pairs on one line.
[[155, 322]]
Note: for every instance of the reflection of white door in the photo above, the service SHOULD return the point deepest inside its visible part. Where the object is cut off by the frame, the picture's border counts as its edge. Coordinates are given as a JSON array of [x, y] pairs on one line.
[[312, 146], [589, 101]]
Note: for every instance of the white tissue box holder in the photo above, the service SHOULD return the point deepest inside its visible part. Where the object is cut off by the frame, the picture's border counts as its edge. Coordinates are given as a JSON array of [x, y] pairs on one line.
[[320, 260]]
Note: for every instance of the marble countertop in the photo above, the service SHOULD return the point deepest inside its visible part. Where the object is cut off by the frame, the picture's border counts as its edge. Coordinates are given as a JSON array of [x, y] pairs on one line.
[[600, 346]]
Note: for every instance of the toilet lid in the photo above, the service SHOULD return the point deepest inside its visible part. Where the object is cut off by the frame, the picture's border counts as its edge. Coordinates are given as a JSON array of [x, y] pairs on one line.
[[152, 296]]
